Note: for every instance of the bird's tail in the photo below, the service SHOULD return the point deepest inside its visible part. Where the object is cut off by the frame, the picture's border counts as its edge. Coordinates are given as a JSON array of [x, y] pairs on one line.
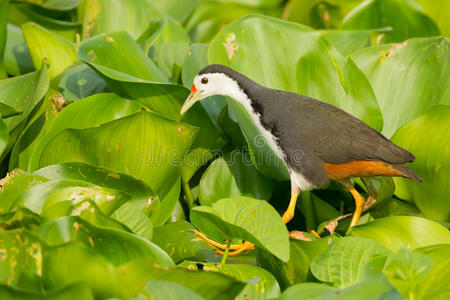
[[407, 172]]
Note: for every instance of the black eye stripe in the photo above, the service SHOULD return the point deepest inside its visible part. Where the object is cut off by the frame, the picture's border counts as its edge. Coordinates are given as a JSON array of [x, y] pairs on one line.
[[204, 80]]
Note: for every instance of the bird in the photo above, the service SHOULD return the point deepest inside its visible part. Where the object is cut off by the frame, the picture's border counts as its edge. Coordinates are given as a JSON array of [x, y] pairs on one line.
[[318, 142]]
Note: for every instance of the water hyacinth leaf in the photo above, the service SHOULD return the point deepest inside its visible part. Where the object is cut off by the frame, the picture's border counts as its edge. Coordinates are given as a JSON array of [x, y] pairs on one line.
[[210, 17], [71, 292], [435, 286], [80, 81], [136, 76], [116, 246], [297, 269], [437, 10], [55, 4], [286, 70], [3, 35], [244, 218], [180, 242], [376, 287], [22, 93], [21, 253], [98, 176], [169, 58], [260, 283], [178, 9], [415, 91], [348, 41], [59, 263], [343, 263], [43, 44], [159, 147], [102, 16], [4, 136], [432, 162], [17, 57], [89, 112], [14, 185], [403, 231], [406, 21], [166, 290], [57, 22], [164, 206], [135, 219], [407, 270], [136, 274], [230, 176]]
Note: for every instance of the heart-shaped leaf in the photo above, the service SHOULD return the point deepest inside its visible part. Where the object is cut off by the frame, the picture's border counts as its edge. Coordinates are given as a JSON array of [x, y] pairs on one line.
[[406, 21], [244, 218], [230, 176], [432, 162], [415, 91], [402, 231], [17, 56], [343, 263]]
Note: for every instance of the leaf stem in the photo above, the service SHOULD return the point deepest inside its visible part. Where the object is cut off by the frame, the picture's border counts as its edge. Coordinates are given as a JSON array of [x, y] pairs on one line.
[[225, 254], [188, 193]]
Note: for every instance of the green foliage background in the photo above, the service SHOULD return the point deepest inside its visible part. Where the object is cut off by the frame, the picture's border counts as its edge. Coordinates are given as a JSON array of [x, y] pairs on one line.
[[104, 182]]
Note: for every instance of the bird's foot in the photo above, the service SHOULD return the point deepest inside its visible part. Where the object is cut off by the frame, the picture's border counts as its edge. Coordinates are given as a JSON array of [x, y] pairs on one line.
[[237, 248]]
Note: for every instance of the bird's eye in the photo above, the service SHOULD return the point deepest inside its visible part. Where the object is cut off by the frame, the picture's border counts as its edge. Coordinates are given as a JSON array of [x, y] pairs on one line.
[[204, 80]]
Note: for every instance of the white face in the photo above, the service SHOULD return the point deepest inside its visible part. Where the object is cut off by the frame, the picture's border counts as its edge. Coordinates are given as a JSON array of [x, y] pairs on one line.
[[215, 84]]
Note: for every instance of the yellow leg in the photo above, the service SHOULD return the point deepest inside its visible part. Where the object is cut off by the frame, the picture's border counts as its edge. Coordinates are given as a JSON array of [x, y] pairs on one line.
[[359, 200], [243, 247], [289, 214], [216, 244]]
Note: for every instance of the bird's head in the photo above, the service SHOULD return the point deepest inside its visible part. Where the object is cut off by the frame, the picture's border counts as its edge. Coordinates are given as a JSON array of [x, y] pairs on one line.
[[211, 80]]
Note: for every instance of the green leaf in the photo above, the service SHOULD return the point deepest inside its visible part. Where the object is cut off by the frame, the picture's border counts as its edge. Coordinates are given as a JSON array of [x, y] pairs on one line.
[[415, 91], [20, 252], [17, 56], [180, 242], [209, 285], [166, 290], [66, 264], [55, 4], [158, 148], [102, 16], [57, 22], [260, 283], [45, 45], [406, 21], [432, 162], [375, 287], [178, 9], [343, 263], [72, 292], [167, 205], [401, 231], [116, 246], [80, 81], [348, 41], [14, 185], [407, 271], [3, 35], [98, 176], [436, 285], [4, 136], [133, 74], [331, 77], [135, 219], [230, 176], [438, 11], [23, 93], [89, 112], [244, 218], [169, 58]]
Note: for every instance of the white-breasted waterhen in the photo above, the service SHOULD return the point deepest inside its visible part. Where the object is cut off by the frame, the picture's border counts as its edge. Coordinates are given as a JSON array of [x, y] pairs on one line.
[[317, 141]]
